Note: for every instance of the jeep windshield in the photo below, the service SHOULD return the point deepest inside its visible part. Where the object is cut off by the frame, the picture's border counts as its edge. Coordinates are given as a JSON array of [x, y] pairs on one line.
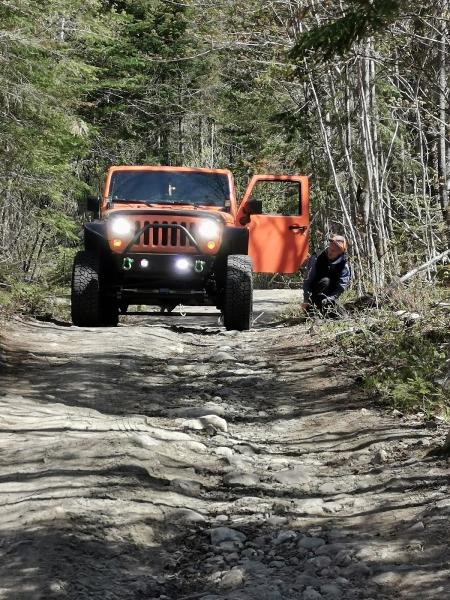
[[170, 187]]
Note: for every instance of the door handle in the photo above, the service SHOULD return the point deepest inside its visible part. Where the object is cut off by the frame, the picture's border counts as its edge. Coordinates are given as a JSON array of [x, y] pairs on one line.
[[298, 228]]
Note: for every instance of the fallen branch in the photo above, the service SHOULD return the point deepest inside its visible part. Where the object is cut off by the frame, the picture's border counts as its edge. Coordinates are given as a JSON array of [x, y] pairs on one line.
[[421, 268]]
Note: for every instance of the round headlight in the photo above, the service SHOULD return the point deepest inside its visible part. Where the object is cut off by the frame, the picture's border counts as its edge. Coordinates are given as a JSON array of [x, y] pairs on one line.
[[121, 226], [208, 229]]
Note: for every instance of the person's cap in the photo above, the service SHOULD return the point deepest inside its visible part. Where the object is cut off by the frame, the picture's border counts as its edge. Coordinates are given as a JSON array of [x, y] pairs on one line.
[[340, 241]]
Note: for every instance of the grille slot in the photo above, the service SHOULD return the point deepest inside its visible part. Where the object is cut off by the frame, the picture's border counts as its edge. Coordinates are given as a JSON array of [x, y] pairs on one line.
[[146, 235], [182, 235], [155, 234]]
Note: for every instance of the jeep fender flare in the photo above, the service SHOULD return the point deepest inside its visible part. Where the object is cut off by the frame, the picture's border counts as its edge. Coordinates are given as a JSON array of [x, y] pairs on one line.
[[95, 239], [234, 241]]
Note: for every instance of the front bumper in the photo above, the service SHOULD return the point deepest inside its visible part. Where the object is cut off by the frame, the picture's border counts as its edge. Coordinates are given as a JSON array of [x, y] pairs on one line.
[[146, 278]]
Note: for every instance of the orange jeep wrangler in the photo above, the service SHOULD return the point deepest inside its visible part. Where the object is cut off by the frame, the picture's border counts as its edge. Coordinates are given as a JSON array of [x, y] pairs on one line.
[[170, 235]]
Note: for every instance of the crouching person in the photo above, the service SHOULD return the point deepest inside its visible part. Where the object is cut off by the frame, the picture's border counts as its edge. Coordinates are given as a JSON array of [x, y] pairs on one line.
[[327, 277]]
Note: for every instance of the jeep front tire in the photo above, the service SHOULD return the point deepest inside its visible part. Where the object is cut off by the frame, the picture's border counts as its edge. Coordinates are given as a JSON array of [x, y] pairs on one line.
[[238, 305], [89, 307]]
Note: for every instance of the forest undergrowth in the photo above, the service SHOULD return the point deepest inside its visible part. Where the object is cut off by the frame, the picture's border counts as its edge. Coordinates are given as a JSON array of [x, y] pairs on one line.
[[397, 346]]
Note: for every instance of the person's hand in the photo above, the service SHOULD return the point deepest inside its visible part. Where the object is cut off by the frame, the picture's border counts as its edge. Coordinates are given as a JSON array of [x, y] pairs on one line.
[[327, 301]]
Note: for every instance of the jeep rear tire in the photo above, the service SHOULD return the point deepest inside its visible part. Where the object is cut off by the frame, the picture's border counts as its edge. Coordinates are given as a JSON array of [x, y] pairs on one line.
[[238, 305], [89, 307]]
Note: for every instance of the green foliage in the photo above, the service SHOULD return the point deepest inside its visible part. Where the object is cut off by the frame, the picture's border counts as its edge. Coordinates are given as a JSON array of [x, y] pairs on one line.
[[59, 273], [361, 19], [403, 361], [30, 299]]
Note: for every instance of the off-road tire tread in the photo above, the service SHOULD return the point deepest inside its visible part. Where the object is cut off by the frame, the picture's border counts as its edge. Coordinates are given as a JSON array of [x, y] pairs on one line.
[[85, 296], [238, 305]]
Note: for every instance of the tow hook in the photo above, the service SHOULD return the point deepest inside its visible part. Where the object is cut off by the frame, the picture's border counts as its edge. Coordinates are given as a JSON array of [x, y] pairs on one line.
[[127, 263], [199, 266]]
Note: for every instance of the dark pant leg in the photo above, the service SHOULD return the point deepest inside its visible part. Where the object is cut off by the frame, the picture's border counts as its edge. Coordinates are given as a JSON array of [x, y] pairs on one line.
[[319, 290]]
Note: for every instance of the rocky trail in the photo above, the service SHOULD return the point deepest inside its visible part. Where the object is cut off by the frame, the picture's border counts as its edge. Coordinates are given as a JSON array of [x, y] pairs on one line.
[[169, 459]]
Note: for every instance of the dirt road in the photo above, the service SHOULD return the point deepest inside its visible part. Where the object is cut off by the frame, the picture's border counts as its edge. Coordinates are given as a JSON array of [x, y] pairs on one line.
[[170, 459]]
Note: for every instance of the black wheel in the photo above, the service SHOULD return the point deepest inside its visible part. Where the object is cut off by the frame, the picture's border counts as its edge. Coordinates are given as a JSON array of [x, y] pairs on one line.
[[89, 307], [238, 305]]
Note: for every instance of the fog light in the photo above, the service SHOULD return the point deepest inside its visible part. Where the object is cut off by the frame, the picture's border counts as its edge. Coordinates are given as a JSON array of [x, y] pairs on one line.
[[182, 264], [211, 245], [144, 263], [117, 243]]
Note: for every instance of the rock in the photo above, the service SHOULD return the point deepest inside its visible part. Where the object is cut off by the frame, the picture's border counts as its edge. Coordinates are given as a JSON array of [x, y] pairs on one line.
[[221, 518], [329, 590], [311, 543], [419, 526], [390, 578], [262, 592], [232, 579], [261, 541], [249, 553], [311, 594], [276, 520], [329, 573], [186, 486], [291, 476], [226, 534], [187, 515], [233, 557], [305, 580], [214, 407], [195, 424], [396, 413], [380, 457], [238, 478], [284, 536], [193, 412], [329, 549], [320, 562], [278, 564], [271, 595], [343, 558], [245, 449], [253, 566], [228, 546], [215, 422], [195, 446], [219, 357], [223, 451]]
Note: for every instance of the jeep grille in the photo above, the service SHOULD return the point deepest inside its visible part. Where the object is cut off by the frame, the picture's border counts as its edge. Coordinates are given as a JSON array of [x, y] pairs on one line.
[[163, 239]]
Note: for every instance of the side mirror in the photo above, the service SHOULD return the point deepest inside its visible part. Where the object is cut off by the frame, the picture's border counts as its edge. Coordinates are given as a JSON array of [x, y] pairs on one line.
[[93, 204], [254, 207]]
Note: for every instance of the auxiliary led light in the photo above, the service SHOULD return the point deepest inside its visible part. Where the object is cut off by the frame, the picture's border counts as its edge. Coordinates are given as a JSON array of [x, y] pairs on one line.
[[182, 264], [211, 245], [144, 263], [121, 226], [117, 243]]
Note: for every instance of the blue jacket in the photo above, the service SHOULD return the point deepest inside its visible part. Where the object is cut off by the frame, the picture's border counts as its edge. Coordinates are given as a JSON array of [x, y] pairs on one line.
[[337, 271]]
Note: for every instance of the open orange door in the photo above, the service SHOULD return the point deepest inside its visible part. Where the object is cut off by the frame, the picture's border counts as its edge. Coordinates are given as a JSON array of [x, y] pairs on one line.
[[278, 243]]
